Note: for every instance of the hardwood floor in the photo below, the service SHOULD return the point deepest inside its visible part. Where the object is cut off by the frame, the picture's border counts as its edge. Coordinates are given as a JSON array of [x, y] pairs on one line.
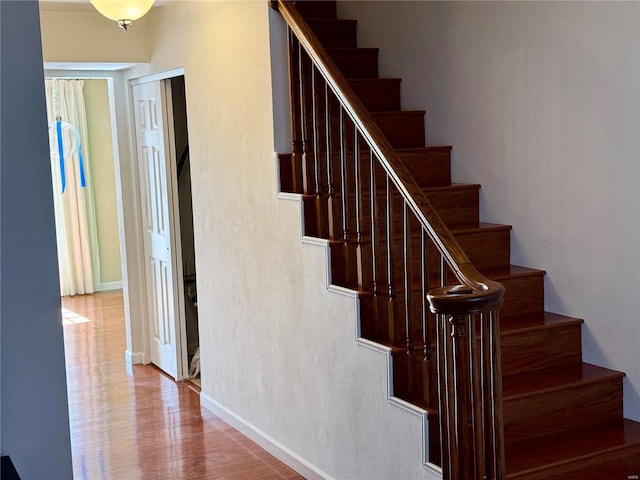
[[140, 424]]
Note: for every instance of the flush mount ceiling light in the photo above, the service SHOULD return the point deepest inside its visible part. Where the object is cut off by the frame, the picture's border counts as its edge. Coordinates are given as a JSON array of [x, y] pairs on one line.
[[123, 11]]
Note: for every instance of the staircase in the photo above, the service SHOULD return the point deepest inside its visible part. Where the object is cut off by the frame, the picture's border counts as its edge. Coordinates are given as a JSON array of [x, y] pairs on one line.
[[562, 417]]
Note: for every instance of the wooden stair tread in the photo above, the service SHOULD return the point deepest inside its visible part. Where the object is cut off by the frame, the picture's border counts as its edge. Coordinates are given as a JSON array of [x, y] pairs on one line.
[[524, 384], [389, 113], [502, 273], [516, 324], [453, 186], [510, 271], [351, 49], [478, 227], [624, 468], [456, 230], [375, 80], [413, 150], [590, 446], [329, 20]]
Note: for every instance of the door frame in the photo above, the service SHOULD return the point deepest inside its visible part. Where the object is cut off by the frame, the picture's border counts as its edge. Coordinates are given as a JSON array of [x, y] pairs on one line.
[[176, 242]]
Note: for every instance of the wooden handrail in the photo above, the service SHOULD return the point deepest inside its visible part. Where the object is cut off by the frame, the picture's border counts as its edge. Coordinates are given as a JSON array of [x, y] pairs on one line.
[[469, 372], [485, 293]]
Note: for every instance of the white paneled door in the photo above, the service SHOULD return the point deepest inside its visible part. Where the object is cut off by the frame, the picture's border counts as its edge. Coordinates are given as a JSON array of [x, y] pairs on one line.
[[158, 225]]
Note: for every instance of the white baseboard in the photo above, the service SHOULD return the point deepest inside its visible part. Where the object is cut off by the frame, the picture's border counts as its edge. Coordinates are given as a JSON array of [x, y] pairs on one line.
[[135, 358], [275, 448], [109, 286]]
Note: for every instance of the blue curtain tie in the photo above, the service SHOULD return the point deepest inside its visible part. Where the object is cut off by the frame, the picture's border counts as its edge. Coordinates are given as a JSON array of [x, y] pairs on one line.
[[61, 154], [83, 182]]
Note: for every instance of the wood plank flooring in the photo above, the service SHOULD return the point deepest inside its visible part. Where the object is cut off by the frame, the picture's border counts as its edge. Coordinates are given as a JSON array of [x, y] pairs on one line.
[[140, 424]]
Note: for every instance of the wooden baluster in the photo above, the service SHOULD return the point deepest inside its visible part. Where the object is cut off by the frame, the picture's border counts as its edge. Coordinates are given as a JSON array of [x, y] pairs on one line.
[[479, 386], [491, 395], [320, 203], [332, 215], [294, 88], [357, 205], [363, 247], [408, 299], [374, 242], [391, 320], [470, 394], [426, 340], [446, 395], [346, 234], [307, 162]]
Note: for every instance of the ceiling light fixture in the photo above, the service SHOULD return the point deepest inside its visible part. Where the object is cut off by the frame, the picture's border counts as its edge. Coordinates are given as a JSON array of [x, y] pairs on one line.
[[122, 11]]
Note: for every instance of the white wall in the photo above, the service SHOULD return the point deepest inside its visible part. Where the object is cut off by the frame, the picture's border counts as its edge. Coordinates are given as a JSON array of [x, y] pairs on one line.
[[96, 96], [279, 354], [33, 404], [540, 101]]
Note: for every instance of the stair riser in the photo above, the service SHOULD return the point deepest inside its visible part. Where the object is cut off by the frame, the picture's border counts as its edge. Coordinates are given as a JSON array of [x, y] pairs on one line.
[[317, 9], [403, 129], [522, 295], [430, 168], [487, 248], [541, 355], [380, 324], [456, 206], [571, 407], [356, 63], [378, 96], [414, 366], [541, 348], [335, 33]]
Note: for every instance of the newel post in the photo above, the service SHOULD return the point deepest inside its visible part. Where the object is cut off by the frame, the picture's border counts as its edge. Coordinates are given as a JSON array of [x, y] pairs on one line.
[[469, 383]]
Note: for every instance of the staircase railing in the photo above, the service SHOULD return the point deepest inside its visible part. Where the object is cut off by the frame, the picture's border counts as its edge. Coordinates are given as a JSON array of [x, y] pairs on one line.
[[390, 244]]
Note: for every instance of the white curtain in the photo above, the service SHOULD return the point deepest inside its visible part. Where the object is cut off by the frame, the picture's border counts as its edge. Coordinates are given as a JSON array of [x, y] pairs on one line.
[[76, 230]]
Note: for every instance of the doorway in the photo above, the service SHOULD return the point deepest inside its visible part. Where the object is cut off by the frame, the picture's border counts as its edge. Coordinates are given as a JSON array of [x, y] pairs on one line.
[[83, 154], [162, 149], [185, 208]]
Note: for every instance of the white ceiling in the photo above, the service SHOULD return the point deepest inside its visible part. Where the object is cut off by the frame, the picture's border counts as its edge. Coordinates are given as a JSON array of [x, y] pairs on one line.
[[85, 66]]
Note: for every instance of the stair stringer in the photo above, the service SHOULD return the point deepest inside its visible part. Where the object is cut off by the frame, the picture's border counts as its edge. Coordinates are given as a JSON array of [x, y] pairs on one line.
[[434, 471]]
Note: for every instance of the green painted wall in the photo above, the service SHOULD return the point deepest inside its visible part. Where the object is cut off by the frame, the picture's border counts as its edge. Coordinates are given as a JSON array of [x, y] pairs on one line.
[[96, 98]]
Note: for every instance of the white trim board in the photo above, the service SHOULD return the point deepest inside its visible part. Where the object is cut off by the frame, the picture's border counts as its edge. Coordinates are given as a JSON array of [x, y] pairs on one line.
[[135, 358], [275, 448], [110, 286], [153, 77]]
